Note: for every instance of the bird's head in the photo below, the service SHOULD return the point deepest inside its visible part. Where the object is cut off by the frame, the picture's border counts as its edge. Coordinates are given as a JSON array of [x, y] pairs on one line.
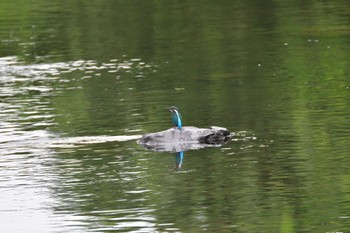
[[173, 109], [175, 117]]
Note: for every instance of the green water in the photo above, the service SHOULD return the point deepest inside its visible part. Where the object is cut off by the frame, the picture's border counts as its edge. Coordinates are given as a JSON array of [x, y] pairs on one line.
[[277, 72]]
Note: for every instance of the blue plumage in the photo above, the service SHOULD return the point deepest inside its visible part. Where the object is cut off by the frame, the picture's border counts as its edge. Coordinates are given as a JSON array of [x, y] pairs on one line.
[[176, 117]]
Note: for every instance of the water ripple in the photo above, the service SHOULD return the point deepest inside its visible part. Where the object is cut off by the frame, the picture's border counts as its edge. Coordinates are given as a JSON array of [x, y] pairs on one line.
[[38, 186]]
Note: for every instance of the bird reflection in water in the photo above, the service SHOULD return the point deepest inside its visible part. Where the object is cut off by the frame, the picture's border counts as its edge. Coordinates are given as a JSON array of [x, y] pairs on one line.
[[178, 160]]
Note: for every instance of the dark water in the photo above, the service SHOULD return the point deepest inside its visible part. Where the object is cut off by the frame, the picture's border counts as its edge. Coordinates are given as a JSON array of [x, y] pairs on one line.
[[80, 79]]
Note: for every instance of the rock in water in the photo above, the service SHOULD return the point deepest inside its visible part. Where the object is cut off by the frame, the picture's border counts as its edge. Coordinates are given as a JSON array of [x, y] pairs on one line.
[[188, 137]]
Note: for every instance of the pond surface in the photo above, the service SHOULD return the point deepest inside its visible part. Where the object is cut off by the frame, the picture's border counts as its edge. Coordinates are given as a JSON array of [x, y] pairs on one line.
[[80, 81]]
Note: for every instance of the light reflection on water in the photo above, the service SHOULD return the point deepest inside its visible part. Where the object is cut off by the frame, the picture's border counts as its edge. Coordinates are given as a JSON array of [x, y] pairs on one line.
[[54, 181], [36, 185], [70, 101]]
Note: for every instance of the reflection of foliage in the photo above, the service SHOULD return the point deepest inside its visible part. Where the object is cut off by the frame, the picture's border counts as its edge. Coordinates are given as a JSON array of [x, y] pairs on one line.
[[101, 97], [280, 69]]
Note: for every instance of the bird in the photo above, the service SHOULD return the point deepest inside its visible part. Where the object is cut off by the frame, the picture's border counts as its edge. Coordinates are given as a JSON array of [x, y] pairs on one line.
[[176, 117]]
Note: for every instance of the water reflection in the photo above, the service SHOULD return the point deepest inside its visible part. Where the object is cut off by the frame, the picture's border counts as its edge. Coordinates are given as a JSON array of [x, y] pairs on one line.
[[179, 159], [32, 149], [175, 146], [255, 67]]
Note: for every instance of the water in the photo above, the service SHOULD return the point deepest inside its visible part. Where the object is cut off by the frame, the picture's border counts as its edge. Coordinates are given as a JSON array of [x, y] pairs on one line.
[[80, 82]]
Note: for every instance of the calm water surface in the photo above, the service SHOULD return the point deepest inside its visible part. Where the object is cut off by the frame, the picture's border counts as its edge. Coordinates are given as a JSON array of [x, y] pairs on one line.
[[80, 81]]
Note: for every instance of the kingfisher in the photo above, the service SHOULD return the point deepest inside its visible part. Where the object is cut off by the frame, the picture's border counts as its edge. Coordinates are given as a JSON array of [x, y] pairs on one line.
[[175, 117]]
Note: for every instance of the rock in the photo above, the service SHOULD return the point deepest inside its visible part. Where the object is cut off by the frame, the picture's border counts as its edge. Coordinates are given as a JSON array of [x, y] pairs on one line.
[[189, 137]]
